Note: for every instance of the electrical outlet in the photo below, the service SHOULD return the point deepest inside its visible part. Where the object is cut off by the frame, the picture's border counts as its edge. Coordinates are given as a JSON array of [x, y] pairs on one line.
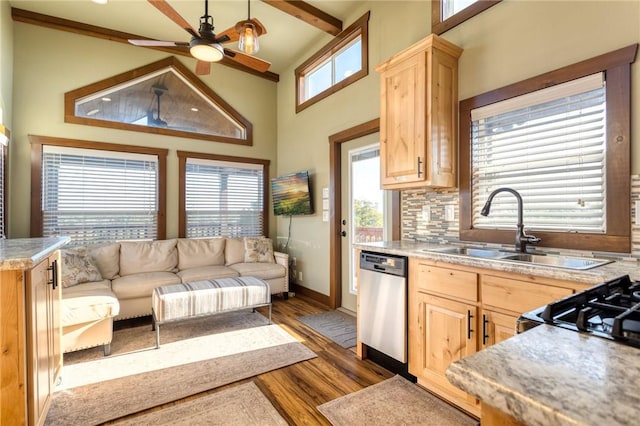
[[449, 213], [426, 213], [300, 276], [293, 261], [637, 213]]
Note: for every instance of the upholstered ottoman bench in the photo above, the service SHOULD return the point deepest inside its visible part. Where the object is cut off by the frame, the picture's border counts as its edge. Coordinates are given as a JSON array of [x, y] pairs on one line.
[[177, 302]]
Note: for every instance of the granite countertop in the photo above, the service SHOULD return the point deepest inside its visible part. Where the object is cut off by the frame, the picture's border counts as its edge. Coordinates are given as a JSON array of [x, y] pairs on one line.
[[589, 276], [552, 376], [24, 253]]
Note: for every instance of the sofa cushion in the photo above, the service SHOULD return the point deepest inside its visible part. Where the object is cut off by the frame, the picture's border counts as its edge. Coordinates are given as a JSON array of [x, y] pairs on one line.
[[194, 253], [206, 273], [78, 267], [142, 285], [107, 258], [148, 256], [87, 303], [234, 251], [258, 250], [265, 271]]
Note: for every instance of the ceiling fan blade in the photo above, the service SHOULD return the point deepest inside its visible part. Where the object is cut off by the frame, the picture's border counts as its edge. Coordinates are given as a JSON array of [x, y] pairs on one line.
[[170, 13], [247, 60], [157, 43], [231, 33], [203, 68]]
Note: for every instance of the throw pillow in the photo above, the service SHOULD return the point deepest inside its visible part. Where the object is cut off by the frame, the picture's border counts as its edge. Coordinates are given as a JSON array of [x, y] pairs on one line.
[[78, 268], [258, 250]]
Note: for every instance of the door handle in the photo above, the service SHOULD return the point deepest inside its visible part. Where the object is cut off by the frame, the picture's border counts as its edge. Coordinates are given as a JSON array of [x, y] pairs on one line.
[[485, 336], [469, 330]]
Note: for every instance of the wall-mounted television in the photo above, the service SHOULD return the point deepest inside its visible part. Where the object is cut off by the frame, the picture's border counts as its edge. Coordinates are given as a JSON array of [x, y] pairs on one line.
[[291, 194]]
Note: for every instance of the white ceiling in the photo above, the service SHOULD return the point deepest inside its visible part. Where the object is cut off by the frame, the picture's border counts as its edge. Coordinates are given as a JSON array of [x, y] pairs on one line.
[[286, 40]]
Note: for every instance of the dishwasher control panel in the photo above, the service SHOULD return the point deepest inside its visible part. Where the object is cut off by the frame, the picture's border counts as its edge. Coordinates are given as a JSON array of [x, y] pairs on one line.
[[384, 263]]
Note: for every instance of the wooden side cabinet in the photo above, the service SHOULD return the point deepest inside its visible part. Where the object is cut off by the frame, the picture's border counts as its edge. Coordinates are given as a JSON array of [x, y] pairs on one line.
[[31, 341], [418, 110]]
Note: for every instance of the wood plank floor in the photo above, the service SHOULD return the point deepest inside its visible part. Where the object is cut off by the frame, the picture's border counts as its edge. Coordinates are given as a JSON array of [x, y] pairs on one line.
[[295, 391]]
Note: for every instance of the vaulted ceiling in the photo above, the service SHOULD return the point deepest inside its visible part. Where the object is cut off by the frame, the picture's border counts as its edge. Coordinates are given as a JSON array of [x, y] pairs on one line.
[[292, 26]]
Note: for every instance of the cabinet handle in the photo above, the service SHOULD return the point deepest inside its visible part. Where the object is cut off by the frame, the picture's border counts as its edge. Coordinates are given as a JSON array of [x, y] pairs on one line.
[[419, 166], [54, 274], [485, 336], [469, 329]]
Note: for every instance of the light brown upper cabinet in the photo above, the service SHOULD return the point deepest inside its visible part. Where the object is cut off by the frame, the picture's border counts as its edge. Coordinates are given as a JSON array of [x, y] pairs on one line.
[[418, 109]]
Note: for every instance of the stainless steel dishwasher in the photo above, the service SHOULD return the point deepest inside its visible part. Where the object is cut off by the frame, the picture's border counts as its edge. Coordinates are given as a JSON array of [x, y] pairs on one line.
[[383, 304]]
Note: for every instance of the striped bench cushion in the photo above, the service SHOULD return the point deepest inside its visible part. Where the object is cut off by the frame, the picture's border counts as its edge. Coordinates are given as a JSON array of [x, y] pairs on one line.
[[176, 301]]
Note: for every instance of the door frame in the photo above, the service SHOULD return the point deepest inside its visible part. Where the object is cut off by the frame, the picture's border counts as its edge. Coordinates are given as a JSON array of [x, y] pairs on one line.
[[335, 205]]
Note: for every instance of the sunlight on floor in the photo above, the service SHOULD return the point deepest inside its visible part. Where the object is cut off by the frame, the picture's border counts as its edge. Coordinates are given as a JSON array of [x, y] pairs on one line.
[[173, 354]]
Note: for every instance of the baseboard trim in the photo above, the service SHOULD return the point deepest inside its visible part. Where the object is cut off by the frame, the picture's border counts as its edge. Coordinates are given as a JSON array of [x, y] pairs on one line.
[[311, 294]]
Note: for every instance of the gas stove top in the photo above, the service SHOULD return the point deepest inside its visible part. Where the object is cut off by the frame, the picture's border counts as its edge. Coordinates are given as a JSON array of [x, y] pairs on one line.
[[610, 310]]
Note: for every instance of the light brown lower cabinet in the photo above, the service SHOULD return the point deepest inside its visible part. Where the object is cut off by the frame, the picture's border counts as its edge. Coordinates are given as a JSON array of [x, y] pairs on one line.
[[456, 310], [31, 342]]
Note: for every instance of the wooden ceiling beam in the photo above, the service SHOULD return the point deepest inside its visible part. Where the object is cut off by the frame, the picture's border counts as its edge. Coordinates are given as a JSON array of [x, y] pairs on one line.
[[28, 17], [309, 14]]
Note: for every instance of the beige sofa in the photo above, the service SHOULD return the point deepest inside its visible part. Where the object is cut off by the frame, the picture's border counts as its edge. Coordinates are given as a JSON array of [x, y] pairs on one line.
[[103, 283]]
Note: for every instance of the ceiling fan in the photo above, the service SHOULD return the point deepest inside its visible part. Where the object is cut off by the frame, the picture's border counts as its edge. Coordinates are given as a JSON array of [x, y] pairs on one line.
[[205, 46], [158, 90]]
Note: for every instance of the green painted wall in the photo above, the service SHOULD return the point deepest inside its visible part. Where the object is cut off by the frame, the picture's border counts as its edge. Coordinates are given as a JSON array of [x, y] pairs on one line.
[[6, 63], [509, 42], [48, 63]]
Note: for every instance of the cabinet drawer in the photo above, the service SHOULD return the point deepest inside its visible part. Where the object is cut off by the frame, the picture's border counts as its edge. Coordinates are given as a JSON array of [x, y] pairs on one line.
[[517, 296], [448, 282]]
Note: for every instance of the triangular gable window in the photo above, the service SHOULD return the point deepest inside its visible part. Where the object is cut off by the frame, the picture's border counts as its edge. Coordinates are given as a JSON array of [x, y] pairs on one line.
[[163, 98]]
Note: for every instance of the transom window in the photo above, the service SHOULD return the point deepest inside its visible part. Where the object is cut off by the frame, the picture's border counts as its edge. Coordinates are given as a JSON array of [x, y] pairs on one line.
[[446, 14], [338, 64], [98, 195], [223, 196], [561, 139]]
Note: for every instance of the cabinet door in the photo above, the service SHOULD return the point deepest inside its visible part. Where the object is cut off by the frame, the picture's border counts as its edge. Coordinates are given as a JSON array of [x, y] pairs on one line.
[[447, 333], [496, 327], [40, 342], [55, 324], [402, 122]]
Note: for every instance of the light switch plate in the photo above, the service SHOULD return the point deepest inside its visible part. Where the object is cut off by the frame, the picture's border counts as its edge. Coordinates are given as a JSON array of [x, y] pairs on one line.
[[449, 214], [426, 213]]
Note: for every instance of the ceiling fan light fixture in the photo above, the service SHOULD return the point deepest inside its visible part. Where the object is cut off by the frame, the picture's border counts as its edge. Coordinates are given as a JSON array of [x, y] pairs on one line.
[[248, 41], [204, 51]]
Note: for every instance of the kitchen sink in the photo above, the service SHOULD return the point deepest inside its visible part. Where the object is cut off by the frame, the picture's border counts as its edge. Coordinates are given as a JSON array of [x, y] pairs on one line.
[[471, 251], [558, 261], [565, 262]]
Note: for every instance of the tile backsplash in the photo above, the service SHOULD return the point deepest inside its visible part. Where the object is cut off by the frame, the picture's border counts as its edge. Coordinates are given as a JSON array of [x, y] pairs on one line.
[[424, 218]]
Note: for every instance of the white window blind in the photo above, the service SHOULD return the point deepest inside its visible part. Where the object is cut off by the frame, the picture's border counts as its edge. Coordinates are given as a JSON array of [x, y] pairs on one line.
[[548, 145], [3, 166], [224, 198], [98, 196]]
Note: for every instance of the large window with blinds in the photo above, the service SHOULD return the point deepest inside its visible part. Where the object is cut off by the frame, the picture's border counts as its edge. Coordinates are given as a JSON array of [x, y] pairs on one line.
[[549, 146], [99, 195], [561, 140], [223, 196]]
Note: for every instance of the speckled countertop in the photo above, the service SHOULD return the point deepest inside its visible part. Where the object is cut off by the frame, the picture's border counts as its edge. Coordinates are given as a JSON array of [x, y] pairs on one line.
[[24, 253], [588, 276], [552, 376]]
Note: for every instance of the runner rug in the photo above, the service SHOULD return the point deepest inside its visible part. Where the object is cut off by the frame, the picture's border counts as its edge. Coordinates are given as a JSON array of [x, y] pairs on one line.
[[241, 405], [395, 401], [194, 356], [335, 325]]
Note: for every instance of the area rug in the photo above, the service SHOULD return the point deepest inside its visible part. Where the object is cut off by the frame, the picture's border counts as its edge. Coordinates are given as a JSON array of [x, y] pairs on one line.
[[138, 377], [395, 401], [335, 325], [241, 405]]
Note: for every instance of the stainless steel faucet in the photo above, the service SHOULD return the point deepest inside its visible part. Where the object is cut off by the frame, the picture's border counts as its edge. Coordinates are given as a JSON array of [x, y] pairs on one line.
[[522, 239]]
